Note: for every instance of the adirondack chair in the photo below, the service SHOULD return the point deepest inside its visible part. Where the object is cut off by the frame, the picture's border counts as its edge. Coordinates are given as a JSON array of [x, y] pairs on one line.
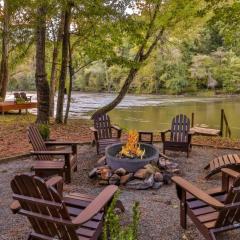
[[180, 135], [16, 96], [73, 217], [45, 164], [102, 132], [225, 161], [24, 96], [212, 212]]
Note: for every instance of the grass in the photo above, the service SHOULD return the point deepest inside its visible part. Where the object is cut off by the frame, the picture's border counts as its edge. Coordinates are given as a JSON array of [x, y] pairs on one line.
[[9, 119]]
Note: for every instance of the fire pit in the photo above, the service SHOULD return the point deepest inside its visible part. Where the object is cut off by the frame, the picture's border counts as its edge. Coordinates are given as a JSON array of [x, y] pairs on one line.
[[130, 164]]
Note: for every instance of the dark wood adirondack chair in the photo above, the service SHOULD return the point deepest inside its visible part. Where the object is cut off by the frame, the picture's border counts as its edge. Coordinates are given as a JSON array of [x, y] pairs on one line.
[[225, 161], [180, 135], [103, 135], [214, 211], [73, 217], [16, 96], [45, 164], [24, 96]]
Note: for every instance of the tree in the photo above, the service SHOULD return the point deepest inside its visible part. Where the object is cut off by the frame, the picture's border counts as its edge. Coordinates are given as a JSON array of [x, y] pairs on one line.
[[56, 49], [4, 73], [41, 76], [64, 65]]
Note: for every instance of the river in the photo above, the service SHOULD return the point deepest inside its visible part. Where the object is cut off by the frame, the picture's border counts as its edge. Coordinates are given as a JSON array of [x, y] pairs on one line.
[[154, 112]]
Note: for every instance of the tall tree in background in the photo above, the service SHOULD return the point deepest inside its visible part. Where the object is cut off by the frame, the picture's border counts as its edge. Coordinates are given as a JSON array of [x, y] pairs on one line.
[[4, 71], [56, 50], [64, 64], [41, 76]]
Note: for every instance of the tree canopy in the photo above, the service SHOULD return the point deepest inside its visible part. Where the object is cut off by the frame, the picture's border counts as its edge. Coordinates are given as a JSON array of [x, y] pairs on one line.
[[151, 46]]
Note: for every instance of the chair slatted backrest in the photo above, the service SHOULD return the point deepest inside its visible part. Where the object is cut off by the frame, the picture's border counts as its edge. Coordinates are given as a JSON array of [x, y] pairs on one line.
[[23, 95], [37, 142], [16, 95], [231, 216], [180, 128], [103, 125], [43, 207]]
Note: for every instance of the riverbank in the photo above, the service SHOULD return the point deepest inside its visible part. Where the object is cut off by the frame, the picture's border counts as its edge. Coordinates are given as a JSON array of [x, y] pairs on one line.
[[14, 141], [13, 133]]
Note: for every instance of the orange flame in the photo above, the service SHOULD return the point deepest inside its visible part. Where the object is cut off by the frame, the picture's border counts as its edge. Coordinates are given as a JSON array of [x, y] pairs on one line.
[[132, 148]]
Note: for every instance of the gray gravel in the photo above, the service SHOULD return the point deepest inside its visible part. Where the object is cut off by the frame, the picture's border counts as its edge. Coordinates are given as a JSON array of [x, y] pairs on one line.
[[159, 208]]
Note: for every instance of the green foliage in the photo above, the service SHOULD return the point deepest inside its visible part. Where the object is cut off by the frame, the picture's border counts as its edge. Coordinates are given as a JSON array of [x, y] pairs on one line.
[[44, 130], [112, 226], [200, 44]]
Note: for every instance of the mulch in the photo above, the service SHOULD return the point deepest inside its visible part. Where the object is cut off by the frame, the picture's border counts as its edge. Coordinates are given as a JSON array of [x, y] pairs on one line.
[[14, 141]]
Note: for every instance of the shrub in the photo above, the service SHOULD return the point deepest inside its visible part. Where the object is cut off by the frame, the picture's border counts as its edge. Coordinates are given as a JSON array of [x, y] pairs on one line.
[[44, 131], [113, 230]]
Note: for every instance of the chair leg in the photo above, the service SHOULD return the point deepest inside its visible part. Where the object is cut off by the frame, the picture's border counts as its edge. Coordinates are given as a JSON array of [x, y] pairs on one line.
[[68, 175], [119, 205], [183, 210]]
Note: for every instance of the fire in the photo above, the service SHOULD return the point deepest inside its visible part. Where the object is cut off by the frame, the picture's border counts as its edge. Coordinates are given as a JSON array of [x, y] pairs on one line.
[[132, 148]]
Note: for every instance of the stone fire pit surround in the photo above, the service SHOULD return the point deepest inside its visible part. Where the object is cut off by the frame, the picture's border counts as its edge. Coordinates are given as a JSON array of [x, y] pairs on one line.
[[130, 164]]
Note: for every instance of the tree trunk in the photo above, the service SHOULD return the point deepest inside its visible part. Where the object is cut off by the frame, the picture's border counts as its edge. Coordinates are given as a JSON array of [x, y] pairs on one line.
[[4, 73], [63, 74], [41, 76], [140, 57], [71, 74], [132, 73], [53, 77]]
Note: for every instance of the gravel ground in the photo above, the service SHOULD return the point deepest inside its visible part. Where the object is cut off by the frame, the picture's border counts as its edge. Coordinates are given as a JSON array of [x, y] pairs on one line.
[[159, 208]]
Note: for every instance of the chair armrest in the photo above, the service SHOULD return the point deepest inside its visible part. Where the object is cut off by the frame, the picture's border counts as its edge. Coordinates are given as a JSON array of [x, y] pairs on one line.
[[198, 193], [54, 181], [116, 127], [163, 134], [59, 143], [165, 131], [57, 183], [65, 152], [230, 172], [96, 205], [15, 206], [93, 129]]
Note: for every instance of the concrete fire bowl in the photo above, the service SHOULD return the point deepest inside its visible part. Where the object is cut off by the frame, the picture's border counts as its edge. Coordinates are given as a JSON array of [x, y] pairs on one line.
[[130, 164]]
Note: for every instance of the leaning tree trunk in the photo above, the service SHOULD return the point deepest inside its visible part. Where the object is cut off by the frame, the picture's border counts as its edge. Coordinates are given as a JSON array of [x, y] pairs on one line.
[[63, 74], [4, 73], [53, 77], [41, 76], [71, 74]]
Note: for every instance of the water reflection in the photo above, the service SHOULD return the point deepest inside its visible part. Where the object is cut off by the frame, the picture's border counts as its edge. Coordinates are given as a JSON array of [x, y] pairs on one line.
[[157, 118]]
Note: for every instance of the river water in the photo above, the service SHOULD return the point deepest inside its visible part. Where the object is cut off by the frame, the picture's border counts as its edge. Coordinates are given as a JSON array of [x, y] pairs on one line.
[[154, 112]]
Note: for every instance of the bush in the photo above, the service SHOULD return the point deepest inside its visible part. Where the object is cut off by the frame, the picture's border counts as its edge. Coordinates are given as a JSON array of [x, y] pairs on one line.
[[112, 227], [44, 131]]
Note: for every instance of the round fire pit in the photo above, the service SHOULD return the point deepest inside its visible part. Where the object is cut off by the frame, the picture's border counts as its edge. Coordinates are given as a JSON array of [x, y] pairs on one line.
[[130, 164]]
